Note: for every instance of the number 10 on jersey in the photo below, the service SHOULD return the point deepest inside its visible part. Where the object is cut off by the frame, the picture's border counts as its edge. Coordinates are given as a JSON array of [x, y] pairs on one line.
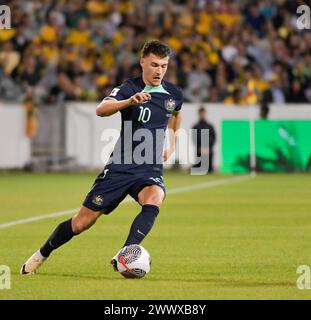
[[144, 114]]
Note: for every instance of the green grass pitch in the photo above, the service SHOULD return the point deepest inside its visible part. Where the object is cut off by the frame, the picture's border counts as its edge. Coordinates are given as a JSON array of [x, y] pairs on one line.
[[239, 240]]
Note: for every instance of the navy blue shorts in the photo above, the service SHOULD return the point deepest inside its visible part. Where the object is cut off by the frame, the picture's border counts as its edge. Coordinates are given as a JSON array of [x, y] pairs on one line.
[[110, 188]]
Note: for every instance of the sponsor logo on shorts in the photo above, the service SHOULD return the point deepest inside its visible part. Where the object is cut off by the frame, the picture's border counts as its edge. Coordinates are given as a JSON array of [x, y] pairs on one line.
[[98, 200]]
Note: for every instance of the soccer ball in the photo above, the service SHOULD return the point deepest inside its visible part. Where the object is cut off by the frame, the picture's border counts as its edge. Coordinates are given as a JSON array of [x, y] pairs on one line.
[[132, 261]]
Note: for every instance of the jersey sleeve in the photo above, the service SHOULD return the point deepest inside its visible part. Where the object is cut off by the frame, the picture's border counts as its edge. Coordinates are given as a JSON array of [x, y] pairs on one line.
[[120, 93], [179, 101]]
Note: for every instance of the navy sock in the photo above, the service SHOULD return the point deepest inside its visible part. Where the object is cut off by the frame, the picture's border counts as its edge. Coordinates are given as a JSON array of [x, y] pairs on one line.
[[62, 234], [142, 224]]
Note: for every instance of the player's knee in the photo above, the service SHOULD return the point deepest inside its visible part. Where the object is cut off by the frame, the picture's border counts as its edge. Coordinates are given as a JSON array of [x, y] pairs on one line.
[[151, 195], [79, 225], [155, 200]]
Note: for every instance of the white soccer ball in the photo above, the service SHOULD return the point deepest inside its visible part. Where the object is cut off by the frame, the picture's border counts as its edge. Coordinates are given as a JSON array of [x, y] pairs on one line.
[[133, 261]]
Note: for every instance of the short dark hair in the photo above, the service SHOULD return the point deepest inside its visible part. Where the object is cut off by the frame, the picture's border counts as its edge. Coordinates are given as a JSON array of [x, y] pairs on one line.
[[156, 47], [201, 109]]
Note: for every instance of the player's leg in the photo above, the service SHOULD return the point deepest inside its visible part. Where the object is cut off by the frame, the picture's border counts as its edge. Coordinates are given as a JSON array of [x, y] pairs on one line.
[[107, 192], [82, 221], [64, 232], [150, 198]]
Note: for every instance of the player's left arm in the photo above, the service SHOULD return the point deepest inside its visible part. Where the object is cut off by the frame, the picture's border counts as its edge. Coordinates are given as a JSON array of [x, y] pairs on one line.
[[173, 125]]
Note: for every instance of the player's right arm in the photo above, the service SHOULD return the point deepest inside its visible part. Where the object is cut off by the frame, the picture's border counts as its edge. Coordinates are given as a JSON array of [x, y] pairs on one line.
[[111, 105]]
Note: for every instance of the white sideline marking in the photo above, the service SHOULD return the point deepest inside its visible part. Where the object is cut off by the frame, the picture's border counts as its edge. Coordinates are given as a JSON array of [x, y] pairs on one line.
[[205, 185], [208, 184], [37, 218]]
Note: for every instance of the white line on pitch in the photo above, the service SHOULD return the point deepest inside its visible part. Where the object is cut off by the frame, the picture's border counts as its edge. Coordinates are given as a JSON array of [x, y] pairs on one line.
[[204, 185]]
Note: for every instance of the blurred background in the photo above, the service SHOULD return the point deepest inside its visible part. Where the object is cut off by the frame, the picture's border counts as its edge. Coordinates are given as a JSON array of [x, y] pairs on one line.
[[244, 62]]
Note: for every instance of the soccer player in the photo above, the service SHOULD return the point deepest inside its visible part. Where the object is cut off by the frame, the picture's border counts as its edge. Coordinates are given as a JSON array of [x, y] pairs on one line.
[[148, 105]]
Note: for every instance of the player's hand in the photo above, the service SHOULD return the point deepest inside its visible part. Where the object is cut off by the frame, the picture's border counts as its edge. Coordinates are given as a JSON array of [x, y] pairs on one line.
[[139, 97]]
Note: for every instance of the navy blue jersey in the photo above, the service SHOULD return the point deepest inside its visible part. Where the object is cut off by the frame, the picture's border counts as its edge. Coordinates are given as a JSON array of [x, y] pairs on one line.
[[138, 149]]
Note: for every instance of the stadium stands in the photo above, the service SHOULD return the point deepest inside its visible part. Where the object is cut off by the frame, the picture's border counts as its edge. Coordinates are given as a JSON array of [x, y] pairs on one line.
[[223, 51]]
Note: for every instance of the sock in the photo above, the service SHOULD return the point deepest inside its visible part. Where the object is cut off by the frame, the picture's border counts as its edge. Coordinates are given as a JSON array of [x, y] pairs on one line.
[[39, 255], [62, 234], [142, 224]]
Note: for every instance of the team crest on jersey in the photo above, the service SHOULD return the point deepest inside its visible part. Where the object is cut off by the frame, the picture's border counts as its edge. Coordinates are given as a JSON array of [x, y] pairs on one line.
[[170, 104], [98, 200]]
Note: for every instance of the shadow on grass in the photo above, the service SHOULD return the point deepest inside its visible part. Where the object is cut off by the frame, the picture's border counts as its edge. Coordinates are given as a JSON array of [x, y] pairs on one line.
[[212, 281]]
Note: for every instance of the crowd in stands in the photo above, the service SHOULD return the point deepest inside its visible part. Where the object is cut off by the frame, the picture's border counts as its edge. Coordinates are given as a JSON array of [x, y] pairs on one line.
[[234, 52]]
